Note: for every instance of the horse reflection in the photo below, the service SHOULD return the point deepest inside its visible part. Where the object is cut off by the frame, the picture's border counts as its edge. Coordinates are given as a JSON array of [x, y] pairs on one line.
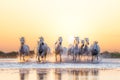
[[75, 74], [58, 74], [95, 74], [41, 74], [24, 74], [83, 74]]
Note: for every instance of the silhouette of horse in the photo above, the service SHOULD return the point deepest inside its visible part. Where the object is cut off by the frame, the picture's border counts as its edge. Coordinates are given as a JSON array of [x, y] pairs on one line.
[[85, 50], [58, 48], [95, 50], [42, 50], [24, 49], [74, 49]]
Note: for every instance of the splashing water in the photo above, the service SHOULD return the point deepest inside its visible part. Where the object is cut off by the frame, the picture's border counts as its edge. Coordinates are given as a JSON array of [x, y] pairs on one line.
[[105, 63]]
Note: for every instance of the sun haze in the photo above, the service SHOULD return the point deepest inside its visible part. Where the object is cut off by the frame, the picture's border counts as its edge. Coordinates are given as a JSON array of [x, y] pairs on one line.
[[97, 19]]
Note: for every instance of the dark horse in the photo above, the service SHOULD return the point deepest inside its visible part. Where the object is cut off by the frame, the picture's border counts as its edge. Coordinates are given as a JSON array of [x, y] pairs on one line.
[[95, 49], [42, 50]]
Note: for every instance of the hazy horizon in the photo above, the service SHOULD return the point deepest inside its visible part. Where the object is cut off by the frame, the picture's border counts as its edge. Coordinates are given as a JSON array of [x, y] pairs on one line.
[[96, 19]]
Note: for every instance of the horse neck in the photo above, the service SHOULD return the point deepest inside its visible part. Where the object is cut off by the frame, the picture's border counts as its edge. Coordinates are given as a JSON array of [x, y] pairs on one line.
[[86, 44], [82, 46], [58, 43], [22, 44], [76, 45], [58, 47], [86, 47], [43, 46]]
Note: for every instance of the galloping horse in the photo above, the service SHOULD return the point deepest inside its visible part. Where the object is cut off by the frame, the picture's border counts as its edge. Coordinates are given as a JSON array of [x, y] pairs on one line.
[[95, 50], [74, 50], [82, 48], [42, 50], [85, 48], [58, 48], [24, 49]]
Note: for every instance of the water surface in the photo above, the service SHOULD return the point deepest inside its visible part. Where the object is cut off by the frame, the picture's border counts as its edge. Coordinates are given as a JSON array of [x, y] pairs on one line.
[[60, 74], [107, 69]]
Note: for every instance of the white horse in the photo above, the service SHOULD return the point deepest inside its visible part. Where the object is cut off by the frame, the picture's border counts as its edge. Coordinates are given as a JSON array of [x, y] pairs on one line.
[[85, 50], [42, 50], [82, 48], [24, 49], [58, 48], [74, 50], [95, 50]]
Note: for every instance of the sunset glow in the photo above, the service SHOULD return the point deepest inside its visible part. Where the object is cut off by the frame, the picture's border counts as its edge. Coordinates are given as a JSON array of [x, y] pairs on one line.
[[96, 19]]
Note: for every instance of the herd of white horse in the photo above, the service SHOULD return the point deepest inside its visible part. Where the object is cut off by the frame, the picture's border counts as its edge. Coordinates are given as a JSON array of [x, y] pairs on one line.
[[77, 49]]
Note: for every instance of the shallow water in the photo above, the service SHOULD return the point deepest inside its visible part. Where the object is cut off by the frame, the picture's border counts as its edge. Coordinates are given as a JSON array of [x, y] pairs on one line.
[[104, 64], [107, 69], [60, 74]]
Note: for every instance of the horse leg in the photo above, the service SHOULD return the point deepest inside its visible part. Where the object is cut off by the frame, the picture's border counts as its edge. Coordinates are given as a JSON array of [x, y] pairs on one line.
[[80, 57], [76, 57], [60, 59], [97, 57], [23, 57], [56, 57], [73, 57], [45, 58], [20, 56], [87, 57], [39, 59], [42, 58], [92, 58], [84, 57]]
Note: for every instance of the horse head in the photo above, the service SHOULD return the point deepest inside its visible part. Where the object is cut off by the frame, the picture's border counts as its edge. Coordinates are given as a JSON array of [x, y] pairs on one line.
[[76, 40], [82, 44], [22, 40], [41, 40], [60, 40], [58, 45], [87, 41]]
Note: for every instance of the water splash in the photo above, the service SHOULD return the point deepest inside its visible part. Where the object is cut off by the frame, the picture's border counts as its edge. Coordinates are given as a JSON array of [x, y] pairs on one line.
[[106, 63]]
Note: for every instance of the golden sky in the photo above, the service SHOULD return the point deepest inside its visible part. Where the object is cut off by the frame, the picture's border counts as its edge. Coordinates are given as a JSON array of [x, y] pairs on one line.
[[97, 19]]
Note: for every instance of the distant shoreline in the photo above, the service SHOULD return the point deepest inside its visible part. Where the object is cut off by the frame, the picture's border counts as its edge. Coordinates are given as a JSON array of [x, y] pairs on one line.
[[14, 54]]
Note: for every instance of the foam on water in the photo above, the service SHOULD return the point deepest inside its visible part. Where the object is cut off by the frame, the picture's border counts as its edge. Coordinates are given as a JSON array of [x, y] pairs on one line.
[[106, 63]]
